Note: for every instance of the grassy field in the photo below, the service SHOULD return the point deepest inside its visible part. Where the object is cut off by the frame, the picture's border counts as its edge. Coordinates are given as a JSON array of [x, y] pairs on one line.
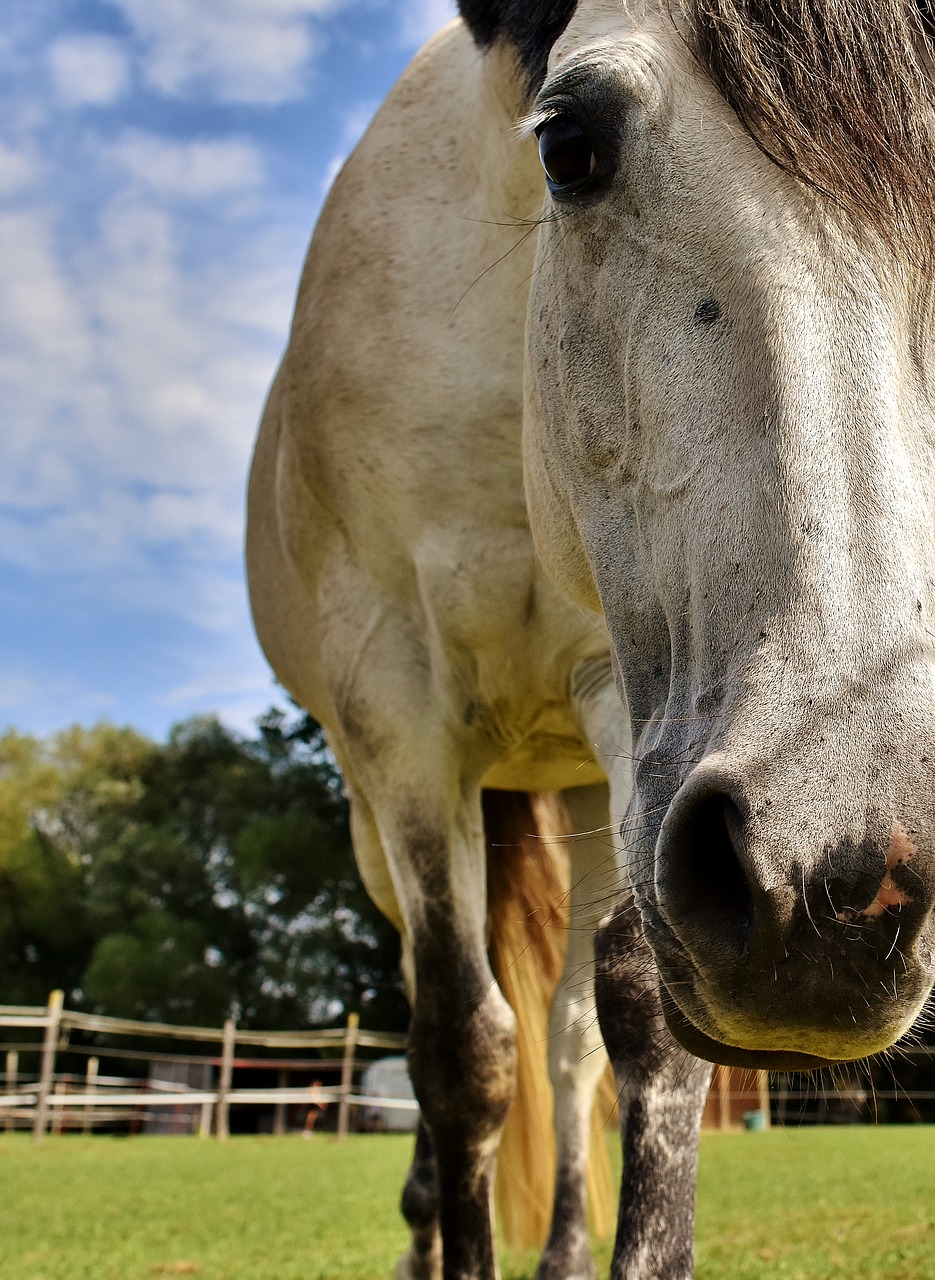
[[852, 1204]]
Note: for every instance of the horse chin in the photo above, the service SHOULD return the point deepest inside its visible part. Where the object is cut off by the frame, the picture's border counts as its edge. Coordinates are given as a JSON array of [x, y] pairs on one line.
[[730, 1055]]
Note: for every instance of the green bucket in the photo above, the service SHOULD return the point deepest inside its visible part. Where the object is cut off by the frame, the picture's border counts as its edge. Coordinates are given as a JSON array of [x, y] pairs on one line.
[[754, 1121]]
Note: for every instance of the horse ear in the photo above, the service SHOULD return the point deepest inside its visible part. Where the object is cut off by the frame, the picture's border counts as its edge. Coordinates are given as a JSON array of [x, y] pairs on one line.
[[530, 26]]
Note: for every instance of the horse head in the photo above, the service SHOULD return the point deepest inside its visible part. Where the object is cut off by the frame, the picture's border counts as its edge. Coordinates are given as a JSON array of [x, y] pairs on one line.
[[730, 452]]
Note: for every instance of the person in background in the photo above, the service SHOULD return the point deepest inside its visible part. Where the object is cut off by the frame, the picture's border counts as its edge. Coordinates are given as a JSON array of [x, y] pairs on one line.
[[317, 1107]]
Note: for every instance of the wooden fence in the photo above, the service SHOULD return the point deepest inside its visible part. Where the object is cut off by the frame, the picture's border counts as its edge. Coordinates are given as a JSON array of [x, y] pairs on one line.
[[736, 1097], [755, 1099], [48, 1097]]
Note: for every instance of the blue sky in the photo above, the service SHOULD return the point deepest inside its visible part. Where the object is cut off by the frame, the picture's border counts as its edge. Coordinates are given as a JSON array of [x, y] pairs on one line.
[[161, 165]]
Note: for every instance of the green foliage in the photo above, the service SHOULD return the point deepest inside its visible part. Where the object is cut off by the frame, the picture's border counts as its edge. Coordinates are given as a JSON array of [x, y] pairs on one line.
[[172, 882], [52, 799]]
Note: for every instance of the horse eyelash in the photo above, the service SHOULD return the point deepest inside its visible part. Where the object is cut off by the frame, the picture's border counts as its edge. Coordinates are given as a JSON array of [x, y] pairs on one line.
[[527, 126]]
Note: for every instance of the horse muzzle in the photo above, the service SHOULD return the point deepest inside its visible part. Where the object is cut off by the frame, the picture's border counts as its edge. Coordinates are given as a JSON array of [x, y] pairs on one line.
[[781, 953]]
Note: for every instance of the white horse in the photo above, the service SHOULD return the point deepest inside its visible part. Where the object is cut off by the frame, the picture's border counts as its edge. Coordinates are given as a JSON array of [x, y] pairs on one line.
[[718, 267]]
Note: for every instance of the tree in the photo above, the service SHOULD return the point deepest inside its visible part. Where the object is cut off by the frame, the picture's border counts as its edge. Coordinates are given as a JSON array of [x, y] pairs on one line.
[[50, 797], [172, 882]]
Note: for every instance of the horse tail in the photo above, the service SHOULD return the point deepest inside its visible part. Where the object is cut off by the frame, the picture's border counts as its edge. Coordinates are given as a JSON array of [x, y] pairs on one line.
[[527, 886], [605, 1117]]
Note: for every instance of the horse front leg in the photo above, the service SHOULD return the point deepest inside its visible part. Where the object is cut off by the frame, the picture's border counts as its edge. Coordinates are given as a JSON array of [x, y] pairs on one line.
[[461, 1039], [661, 1087], [428, 875], [662, 1090], [419, 1205]]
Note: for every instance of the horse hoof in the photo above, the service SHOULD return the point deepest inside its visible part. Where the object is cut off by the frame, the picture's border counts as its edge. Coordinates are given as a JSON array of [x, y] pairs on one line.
[[418, 1266], [555, 1268]]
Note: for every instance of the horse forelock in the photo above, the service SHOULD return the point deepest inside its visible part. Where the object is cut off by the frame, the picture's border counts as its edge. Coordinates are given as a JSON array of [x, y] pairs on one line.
[[838, 93]]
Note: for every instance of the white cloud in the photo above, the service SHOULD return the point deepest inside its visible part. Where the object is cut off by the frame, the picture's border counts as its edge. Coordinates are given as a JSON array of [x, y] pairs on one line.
[[88, 70], [196, 170], [17, 170], [198, 594], [37, 306], [17, 691], [231, 679], [215, 686], [335, 165], [132, 382], [241, 714], [254, 51], [422, 18], [24, 690]]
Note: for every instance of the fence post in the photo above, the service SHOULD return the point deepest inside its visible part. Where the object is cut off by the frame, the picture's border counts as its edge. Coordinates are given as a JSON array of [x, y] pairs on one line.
[[90, 1086], [222, 1123], [12, 1079], [47, 1069], [204, 1126], [347, 1074], [279, 1115], [57, 1118], [724, 1078]]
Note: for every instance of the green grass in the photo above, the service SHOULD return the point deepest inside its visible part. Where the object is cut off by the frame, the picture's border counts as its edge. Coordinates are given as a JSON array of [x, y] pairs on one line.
[[821, 1204], [847, 1204]]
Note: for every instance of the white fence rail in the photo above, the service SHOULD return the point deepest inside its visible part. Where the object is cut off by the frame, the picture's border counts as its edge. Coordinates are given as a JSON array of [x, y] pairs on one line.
[[47, 1099]]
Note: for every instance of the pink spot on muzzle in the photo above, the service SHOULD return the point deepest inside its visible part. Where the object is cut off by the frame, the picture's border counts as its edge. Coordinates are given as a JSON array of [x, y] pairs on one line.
[[889, 896]]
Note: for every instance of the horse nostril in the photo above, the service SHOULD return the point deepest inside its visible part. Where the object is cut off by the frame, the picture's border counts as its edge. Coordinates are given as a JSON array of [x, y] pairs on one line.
[[702, 887]]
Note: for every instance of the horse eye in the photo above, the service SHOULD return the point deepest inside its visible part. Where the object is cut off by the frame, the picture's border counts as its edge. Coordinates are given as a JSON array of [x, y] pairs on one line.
[[566, 154]]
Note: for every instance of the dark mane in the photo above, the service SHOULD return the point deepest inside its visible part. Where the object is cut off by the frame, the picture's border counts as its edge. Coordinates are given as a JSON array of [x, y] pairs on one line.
[[839, 93], [530, 26]]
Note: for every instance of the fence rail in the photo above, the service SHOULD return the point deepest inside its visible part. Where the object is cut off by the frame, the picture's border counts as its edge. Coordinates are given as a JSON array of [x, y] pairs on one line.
[[191, 1097], [37, 1016], [47, 1098]]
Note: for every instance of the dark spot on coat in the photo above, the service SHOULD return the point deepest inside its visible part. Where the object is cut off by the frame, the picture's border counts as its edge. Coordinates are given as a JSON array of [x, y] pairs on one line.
[[707, 311]]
